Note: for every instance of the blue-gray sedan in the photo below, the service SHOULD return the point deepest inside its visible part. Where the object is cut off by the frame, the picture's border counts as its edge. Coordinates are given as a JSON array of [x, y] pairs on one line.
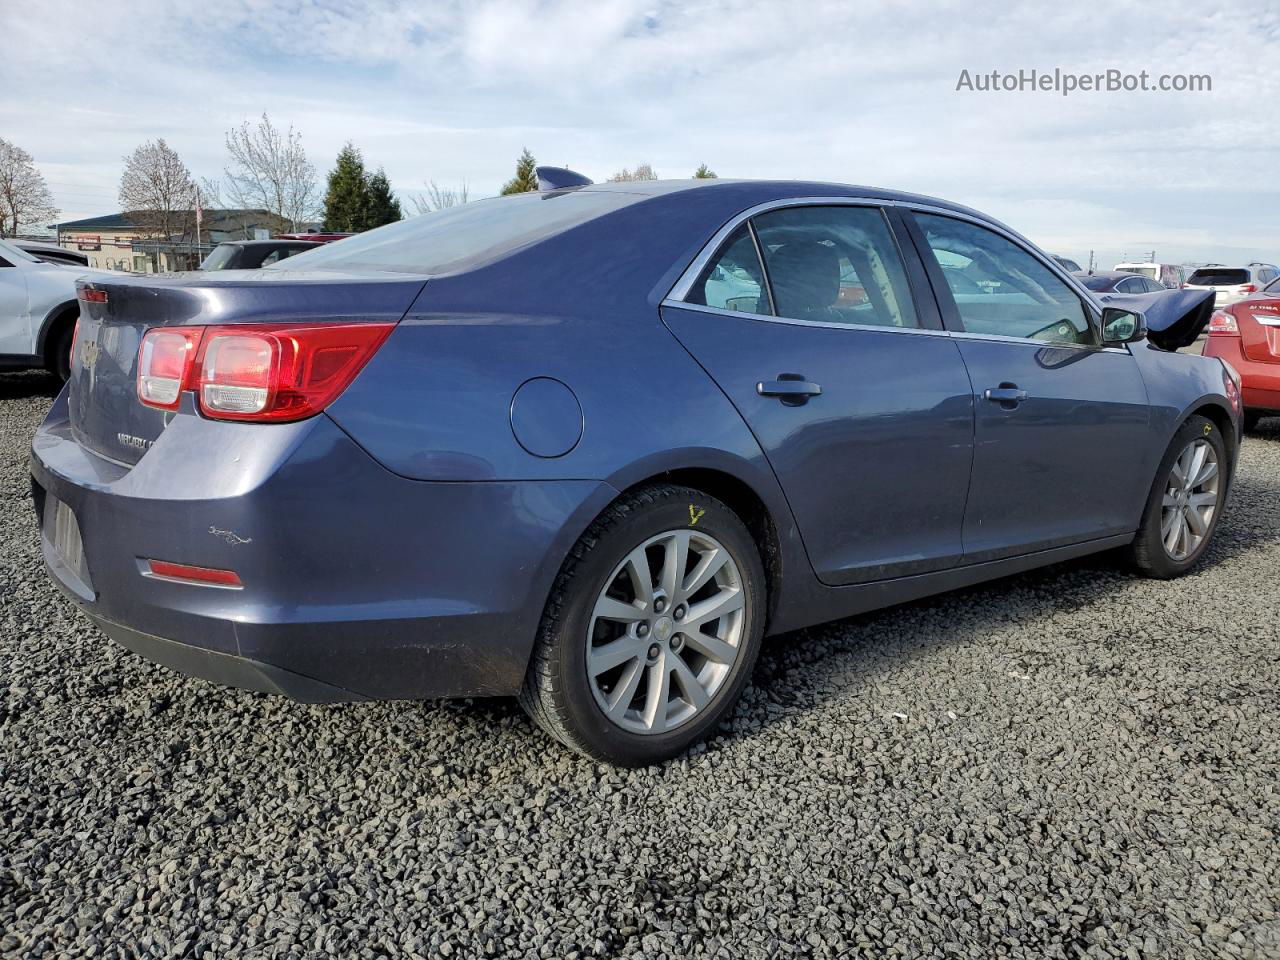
[[590, 445]]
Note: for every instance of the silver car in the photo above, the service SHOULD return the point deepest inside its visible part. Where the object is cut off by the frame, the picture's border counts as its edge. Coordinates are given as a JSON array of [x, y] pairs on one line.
[[1230, 284]]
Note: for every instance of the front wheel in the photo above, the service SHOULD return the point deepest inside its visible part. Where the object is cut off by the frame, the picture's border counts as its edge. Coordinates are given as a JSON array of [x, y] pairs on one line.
[[652, 628], [1185, 503]]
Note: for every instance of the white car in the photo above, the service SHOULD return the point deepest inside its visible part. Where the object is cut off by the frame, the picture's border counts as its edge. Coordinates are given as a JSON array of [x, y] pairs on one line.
[[1169, 275], [38, 311], [1230, 284]]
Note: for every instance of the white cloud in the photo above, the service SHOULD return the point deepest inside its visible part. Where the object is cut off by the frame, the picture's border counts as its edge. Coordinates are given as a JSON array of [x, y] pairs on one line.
[[860, 93]]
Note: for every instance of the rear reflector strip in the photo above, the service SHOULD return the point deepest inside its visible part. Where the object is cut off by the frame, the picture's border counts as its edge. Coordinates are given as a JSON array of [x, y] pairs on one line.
[[184, 573], [89, 295]]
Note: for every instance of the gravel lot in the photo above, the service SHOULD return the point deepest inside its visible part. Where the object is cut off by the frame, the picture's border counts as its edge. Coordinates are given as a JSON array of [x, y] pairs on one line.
[[1069, 763]]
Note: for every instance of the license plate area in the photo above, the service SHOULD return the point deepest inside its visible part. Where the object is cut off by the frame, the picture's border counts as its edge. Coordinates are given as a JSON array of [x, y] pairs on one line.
[[63, 544]]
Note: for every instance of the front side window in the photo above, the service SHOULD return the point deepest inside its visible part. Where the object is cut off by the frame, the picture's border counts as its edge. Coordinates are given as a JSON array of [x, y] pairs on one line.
[[835, 264], [733, 280], [1000, 289]]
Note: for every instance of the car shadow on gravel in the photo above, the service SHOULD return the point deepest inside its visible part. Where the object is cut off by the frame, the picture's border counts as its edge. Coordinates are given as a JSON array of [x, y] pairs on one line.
[[27, 384]]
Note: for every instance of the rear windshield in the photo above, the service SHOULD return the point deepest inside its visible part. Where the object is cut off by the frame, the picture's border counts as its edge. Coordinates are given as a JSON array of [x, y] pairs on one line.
[[1218, 277], [462, 237], [1097, 283]]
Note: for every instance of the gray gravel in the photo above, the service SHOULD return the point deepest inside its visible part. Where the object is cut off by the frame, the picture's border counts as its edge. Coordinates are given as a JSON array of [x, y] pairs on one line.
[[1070, 763]]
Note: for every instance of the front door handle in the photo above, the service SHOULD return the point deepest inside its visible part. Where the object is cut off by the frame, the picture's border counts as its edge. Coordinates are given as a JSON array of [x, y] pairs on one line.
[[791, 388], [1007, 395]]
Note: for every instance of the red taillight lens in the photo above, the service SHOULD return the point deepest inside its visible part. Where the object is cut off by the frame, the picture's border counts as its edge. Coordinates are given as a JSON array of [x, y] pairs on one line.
[[282, 373], [1223, 323], [1248, 288], [165, 363], [207, 576], [75, 339], [273, 373], [89, 295]]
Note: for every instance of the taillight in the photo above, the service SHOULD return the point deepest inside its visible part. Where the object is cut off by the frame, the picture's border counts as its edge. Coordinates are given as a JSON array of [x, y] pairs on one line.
[[1223, 323], [281, 373], [1248, 288], [75, 339], [165, 362], [266, 373], [89, 295]]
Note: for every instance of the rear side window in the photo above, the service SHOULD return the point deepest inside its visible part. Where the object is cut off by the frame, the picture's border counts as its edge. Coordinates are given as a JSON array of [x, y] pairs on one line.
[[1000, 289], [835, 265], [1218, 277], [462, 237], [734, 280]]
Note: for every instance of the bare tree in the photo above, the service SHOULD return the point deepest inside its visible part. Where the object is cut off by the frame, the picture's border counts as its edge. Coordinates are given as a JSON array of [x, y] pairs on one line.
[[441, 198], [270, 171], [156, 190], [24, 196], [643, 171]]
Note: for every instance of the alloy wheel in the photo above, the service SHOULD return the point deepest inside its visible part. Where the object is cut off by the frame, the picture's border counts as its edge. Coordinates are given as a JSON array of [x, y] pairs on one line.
[[666, 631], [1190, 499]]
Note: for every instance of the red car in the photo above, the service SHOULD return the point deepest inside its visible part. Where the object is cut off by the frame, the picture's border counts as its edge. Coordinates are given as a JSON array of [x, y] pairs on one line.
[[1246, 334]]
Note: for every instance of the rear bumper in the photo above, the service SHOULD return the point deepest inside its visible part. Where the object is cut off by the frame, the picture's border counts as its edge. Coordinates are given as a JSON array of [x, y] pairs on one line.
[[358, 584], [1259, 381]]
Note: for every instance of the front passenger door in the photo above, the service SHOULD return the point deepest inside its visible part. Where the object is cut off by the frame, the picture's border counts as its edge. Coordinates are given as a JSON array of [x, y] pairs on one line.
[[1060, 445]]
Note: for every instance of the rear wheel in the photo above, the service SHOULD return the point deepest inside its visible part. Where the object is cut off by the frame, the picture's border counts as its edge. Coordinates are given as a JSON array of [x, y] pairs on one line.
[[651, 630], [58, 353], [1183, 508]]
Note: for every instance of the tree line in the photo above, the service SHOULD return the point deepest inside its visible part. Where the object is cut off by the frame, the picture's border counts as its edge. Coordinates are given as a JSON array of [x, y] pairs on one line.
[[267, 169]]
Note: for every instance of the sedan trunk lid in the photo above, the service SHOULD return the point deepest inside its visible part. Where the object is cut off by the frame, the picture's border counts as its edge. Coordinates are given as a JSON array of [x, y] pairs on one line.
[[106, 415]]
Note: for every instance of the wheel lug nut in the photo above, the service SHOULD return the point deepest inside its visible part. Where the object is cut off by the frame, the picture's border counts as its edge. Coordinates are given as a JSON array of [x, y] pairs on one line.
[[679, 613], [659, 605], [642, 630], [677, 642], [653, 652]]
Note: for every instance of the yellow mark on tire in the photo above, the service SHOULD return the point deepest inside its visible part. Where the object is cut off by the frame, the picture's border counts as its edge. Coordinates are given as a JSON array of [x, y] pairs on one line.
[[1208, 429], [695, 514]]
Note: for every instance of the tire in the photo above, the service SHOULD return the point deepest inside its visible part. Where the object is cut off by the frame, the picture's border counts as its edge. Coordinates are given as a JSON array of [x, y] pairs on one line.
[[569, 704], [1149, 552], [58, 356], [1251, 421]]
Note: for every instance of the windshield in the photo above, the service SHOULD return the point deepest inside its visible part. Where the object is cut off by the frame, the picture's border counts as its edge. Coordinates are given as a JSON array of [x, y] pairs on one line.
[[1218, 277], [15, 253], [219, 257], [461, 237]]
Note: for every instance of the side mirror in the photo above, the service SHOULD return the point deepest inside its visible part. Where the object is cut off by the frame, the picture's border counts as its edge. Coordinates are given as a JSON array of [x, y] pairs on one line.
[[1122, 326]]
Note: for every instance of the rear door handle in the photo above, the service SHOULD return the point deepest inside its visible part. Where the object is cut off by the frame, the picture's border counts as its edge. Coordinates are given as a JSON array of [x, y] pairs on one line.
[[1007, 395], [791, 388]]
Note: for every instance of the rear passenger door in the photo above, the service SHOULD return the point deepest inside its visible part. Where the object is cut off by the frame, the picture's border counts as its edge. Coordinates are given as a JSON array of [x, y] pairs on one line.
[[1061, 450], [805, 316]]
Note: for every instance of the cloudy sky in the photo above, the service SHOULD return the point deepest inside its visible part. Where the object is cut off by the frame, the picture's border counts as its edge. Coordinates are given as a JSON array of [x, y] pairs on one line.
[[856, 92]]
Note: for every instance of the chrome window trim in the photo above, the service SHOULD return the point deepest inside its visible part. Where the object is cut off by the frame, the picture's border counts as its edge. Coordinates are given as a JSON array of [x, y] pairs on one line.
[[680, 289], [793, 322], [871, 328]]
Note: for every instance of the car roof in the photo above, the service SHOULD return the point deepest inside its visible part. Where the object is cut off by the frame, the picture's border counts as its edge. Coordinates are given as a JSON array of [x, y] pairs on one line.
[[1108, 274], [273, 242], [763, 191]]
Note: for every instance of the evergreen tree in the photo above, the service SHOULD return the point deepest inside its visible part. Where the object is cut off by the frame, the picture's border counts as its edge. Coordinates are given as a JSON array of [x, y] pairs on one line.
[[346, 201], [704, 173], [382, 205], [525, 179]]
